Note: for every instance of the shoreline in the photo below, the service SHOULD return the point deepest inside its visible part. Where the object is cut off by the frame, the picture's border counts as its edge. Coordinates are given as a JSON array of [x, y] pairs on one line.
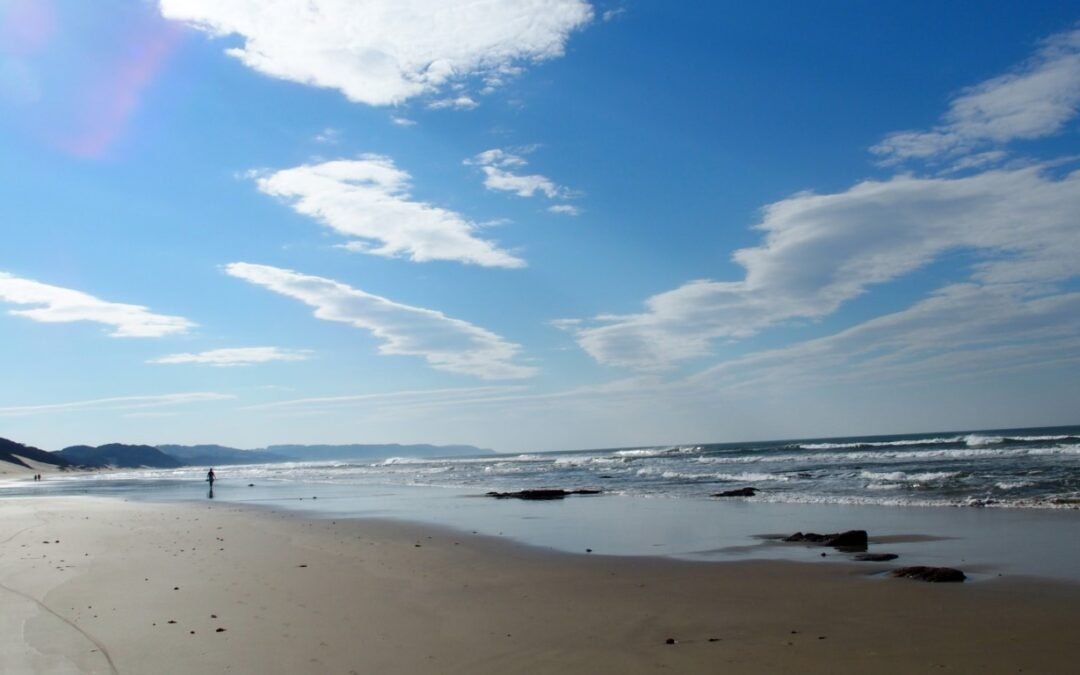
[[296, 594], [985, 543]]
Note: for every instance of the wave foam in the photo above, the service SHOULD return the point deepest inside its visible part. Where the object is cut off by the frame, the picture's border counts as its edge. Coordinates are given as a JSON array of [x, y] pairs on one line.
[[879, 444]]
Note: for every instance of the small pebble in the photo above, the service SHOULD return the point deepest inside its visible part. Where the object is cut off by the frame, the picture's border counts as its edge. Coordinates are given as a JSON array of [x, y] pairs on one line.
[[669, 641]]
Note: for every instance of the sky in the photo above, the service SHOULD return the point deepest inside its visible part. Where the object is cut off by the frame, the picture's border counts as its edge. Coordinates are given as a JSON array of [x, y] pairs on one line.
[[535, 225]]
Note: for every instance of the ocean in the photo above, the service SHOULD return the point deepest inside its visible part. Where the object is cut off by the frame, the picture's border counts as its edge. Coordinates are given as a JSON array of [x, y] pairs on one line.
[[916, 494], [1033, 467]]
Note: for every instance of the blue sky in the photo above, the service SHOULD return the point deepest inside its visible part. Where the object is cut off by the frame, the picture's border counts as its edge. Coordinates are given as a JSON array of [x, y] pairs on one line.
[[535, 224]]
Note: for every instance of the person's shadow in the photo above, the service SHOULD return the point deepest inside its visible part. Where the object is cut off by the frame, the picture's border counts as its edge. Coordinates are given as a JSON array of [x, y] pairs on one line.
[[210, 495]]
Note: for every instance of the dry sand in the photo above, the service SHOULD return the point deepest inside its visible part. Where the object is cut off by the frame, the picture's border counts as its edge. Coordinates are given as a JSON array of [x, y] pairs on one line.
[[10, 470], [104, 586]]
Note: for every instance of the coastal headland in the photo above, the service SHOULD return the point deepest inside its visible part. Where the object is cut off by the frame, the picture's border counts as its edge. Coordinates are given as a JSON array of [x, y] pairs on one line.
[[93, 585]]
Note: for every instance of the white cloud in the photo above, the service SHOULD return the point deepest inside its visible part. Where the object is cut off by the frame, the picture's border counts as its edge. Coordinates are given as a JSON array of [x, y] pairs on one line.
[[612, 14], [400, 121], [565, 209], [1035, 100], [961, 330], [368, 198], [496, 165], [329, 136], [239, 356], [118, 403], [823, 250], [462, 102], [384, 52], [62, 305], [445, 343]]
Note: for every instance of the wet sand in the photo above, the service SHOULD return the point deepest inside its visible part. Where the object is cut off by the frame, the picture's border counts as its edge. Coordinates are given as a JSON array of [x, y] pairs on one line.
[[106, 586]]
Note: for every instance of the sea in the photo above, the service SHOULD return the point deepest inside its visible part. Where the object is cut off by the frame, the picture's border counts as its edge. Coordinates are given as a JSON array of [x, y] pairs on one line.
[[1003, 501], [1003, 468]]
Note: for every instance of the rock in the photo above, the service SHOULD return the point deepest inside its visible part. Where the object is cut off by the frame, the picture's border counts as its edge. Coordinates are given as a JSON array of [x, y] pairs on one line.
[[669, 641], [876, 557], [740, 492], [931, 574], [811, 537], [850, 540], [541, 494]]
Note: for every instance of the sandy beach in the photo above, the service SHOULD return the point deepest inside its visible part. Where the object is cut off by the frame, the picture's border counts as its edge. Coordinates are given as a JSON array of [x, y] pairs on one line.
[[104, 586]]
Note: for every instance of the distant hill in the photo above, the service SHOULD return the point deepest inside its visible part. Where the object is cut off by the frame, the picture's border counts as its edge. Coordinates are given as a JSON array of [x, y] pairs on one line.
[[119, 455], [345, 452], [168, 456], [220, 454], [10, 451]]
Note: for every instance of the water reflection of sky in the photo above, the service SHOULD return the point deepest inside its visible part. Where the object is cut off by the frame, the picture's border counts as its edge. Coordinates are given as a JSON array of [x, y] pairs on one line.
[[983, 542]]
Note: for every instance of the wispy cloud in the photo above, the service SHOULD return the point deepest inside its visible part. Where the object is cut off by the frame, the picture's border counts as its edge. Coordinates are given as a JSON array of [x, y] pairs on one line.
[[461, 394], [461, 102], [497, 166], [239, 356], [821, 251], [384, 52], [1033, 101], [56, 304], [962, 330], [565, 209], [117, 403], [401, 121], [368, 198], [445, 343], [328, 136]]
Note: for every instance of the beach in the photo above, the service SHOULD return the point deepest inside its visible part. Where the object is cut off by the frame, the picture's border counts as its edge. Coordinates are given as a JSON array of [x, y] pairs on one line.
[[93, 585]]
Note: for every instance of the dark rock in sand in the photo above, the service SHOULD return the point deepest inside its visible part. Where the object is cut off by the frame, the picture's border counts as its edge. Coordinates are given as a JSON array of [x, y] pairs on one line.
[[931, 574], [741, 492], [849, 539], [541, 494], [876, 557], [807, 537], [852, 540]]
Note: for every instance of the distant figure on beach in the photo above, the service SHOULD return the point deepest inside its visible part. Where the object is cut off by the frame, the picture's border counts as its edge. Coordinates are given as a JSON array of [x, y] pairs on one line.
[[210, 477]]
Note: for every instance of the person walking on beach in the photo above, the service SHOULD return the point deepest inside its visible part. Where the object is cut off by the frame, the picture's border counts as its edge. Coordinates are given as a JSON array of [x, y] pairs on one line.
[[210, 477]]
